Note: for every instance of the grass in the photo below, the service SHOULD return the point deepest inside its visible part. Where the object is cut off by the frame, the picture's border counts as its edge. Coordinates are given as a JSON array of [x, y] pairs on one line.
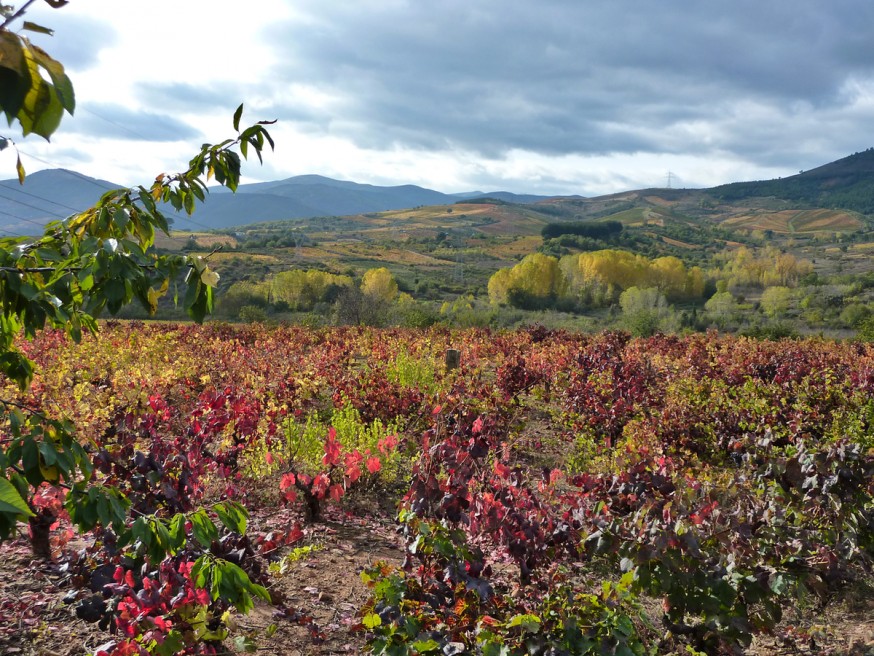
[[792, 221]]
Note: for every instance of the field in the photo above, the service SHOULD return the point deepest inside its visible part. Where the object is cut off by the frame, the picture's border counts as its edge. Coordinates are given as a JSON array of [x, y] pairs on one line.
[[555, 493], [797, 221]]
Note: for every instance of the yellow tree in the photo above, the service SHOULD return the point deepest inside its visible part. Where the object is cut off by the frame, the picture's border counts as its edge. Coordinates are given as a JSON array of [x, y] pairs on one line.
[[536, 279], [288, 287], [499, 286], [615, 268], [670, 276], [379, 284], [538, 275]]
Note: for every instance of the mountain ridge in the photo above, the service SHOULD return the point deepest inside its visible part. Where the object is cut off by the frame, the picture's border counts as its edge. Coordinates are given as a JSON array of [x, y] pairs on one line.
[[53, 194], [847, 183]]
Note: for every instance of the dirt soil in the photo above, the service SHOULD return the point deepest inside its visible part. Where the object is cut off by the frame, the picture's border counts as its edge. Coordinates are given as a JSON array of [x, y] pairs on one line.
[[325, 589], [324, 586]]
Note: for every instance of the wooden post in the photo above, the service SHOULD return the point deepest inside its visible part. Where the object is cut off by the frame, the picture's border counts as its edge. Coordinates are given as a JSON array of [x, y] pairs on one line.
[[453, 359]]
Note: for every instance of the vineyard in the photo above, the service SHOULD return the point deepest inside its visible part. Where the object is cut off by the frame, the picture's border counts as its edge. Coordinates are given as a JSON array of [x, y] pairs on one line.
[[556, 493]]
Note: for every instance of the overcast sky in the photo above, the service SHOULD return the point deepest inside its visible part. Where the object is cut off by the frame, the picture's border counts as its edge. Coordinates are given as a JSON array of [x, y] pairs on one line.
[[538, 96]]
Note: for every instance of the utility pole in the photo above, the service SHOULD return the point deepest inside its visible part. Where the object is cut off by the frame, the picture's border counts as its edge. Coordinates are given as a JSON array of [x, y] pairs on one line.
[[670, 178]]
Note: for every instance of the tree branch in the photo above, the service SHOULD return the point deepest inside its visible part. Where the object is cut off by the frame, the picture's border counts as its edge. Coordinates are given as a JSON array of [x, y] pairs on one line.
[[18, 14]]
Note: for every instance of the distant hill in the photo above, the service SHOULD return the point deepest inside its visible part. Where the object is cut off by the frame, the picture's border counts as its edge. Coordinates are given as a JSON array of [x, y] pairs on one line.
[[46, 196], [505, 196], [847, 183], [54, 194]]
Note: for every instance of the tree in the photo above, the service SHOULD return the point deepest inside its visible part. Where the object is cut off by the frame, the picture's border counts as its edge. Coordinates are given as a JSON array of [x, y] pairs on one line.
[[34, 89], [96, 260], [99, 259], [646, 311], [242, 294], [722, 308], [379, 285], [536, 282], [301, 290], [499, 286], [776, 301]]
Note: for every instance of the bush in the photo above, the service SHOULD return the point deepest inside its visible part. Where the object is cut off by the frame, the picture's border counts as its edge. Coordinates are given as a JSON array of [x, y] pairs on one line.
[[252, 314]]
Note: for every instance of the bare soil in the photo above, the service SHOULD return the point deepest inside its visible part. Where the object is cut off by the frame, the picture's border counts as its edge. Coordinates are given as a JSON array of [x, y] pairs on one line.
[[324, 589]]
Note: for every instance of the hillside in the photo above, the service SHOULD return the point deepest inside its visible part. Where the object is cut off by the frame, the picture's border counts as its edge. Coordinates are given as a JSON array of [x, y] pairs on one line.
[[847, 183], [46, 196], [54, 194], [845, 186]]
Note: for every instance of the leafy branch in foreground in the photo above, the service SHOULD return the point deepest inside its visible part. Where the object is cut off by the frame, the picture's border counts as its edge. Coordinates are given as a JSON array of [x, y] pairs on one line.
[[96, 260], [34, 88]]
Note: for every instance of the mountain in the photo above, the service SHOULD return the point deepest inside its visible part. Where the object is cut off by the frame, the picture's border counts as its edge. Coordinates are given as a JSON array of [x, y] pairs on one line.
[[847, 183], [46, 196], [54, 194], [505, 196]]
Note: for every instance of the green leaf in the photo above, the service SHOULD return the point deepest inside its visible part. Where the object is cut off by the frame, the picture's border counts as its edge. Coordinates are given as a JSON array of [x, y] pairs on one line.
[[233, 516], [425, 646], [497, 649], [11, 501], [17, 368], [528, 623], [200, 571], [371, 621], [14, 78], [63, 88], [203, 529], [41, 110], [33, 27], [778, 583], [172, 644], [237, 115]]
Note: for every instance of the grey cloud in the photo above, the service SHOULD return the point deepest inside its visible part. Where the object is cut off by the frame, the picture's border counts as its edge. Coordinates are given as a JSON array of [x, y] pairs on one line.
[[77, 40], [118, 122], [182, 96], [559, 77], [192, 98]]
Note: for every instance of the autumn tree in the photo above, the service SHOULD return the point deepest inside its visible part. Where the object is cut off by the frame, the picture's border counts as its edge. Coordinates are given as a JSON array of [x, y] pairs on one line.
[[722, 308], [536, 282], [242, 294], [776, 301], [767, 267], [301, 290], [379, 285], [598, 277]]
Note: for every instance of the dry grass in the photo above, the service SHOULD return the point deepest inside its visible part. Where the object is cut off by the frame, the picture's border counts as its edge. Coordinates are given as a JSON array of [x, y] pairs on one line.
[[789, 221]]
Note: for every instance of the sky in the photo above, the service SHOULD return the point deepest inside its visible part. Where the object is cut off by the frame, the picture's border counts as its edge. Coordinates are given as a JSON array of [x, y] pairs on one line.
[[552, 97]]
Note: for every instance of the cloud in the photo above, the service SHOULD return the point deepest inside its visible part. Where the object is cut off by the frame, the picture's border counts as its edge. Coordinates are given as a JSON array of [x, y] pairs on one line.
[[545, 96], [110, 121], [561, 77], [77, 41]]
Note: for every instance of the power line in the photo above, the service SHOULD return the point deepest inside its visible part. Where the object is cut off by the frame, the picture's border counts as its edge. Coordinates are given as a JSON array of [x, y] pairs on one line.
[[99, 186], [186, 218], [21, 218], [118, 125], [21, 202], [45, 200]]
